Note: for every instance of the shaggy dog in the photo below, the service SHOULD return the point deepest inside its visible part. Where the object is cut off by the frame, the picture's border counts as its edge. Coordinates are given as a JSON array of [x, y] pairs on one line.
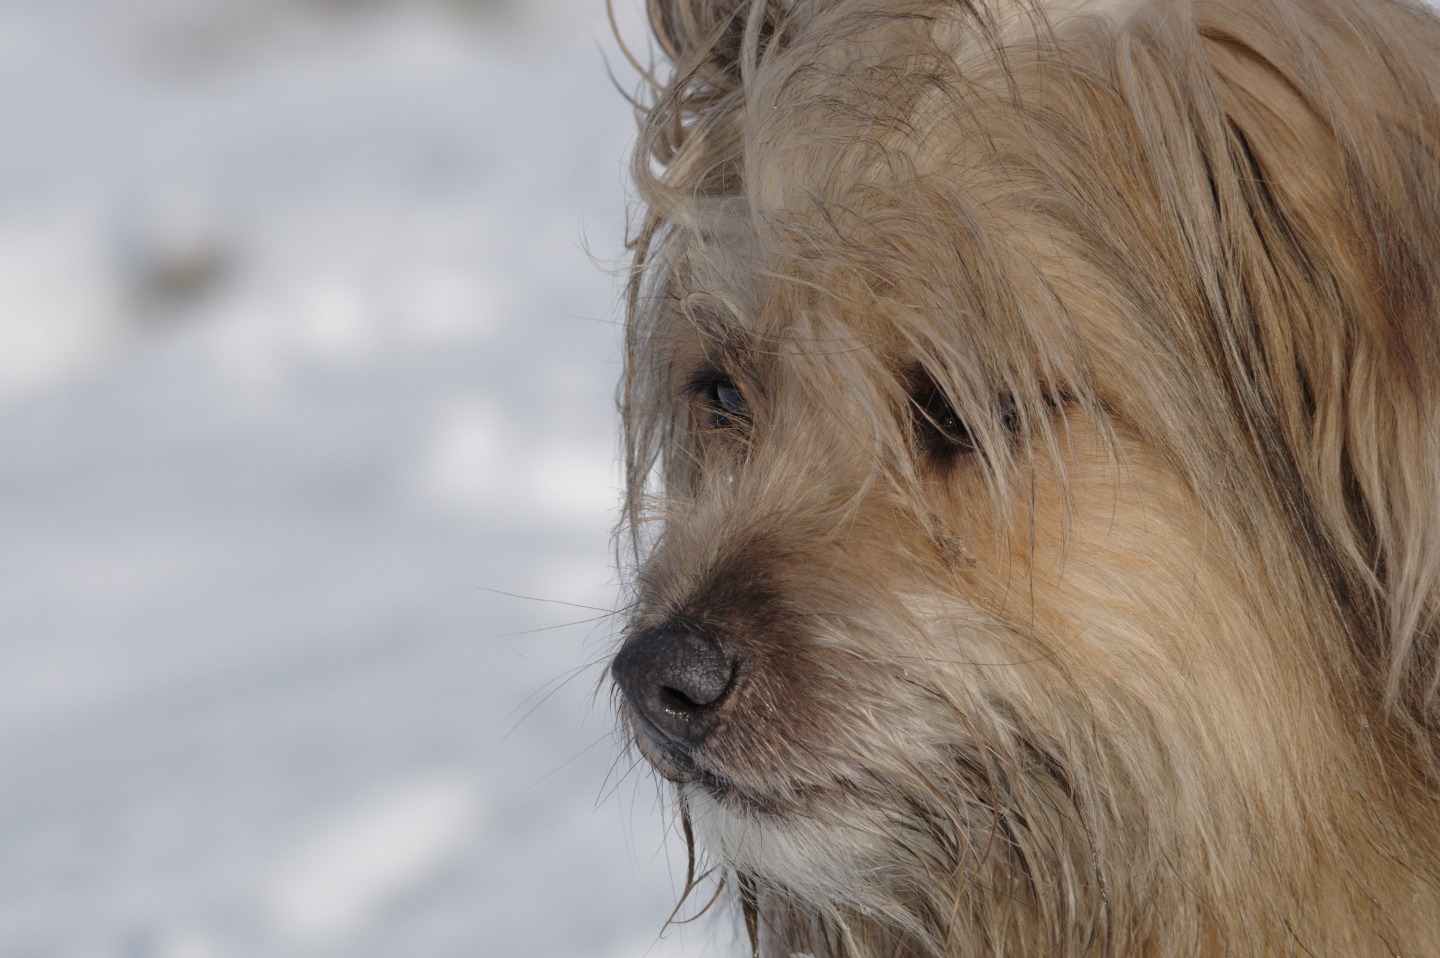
[[1033, 431]]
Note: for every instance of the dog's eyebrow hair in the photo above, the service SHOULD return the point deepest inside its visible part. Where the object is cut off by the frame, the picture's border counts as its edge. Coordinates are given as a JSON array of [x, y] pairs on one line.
[[724, 336]]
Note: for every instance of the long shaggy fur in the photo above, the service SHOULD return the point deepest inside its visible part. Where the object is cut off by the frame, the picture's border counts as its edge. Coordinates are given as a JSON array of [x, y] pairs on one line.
[[1078, 538]]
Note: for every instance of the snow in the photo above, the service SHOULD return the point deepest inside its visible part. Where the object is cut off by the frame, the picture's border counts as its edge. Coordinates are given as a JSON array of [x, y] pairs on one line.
[[307, 361], [340, 878]]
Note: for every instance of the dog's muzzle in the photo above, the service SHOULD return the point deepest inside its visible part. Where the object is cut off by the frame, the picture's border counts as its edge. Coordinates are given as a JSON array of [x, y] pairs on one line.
[[676, 681]]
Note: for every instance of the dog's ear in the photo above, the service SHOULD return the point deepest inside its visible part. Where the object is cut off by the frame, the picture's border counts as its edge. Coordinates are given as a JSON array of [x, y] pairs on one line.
[[1330, 154]]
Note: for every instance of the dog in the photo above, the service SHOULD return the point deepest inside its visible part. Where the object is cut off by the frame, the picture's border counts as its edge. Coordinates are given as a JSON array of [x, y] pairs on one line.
[[1032, 431]]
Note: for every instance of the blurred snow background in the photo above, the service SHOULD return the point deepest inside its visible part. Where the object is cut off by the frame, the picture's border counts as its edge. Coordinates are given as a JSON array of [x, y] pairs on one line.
[[305, 357]]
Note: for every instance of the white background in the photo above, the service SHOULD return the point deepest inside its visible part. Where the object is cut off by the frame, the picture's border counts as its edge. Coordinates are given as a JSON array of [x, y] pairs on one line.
[[308, 345]]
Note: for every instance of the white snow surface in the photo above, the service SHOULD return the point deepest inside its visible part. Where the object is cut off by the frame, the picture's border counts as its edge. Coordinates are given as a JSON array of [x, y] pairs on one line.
[[307, 365]]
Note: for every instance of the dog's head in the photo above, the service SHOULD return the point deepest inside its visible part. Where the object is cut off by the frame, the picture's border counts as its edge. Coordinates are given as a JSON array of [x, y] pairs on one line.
[[1033, 419]]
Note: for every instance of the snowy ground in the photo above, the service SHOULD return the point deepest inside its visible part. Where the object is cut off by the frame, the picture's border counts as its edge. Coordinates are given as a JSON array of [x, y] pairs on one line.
[[302, 354]]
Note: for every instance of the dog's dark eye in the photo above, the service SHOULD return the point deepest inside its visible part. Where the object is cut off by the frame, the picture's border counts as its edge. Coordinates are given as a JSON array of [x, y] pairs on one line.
[[723, 399], [941, 435], [726, 397], [940, 431]]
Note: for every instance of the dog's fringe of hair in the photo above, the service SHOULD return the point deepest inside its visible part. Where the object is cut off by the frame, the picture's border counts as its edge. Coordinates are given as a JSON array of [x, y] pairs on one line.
[[1287, 287]]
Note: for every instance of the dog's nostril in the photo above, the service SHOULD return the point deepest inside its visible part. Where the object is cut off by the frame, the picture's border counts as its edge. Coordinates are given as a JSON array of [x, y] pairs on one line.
[[676, 680], [676, 699]]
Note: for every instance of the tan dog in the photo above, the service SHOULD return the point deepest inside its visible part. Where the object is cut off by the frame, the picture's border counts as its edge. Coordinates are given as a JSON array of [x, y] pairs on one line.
[[1033, 421]]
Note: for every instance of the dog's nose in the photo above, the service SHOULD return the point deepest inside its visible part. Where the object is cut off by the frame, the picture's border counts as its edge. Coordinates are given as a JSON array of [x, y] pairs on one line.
[[675, 679]]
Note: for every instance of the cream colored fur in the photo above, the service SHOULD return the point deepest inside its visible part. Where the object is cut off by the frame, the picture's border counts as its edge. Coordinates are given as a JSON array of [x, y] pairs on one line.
[[1147, 667]]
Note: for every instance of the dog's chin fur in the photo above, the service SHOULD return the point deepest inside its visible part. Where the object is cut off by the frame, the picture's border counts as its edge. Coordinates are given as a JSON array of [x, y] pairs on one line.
[[1040, 408]]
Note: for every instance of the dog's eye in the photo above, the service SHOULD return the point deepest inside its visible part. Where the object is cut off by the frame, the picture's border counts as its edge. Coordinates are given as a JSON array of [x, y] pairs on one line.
[[940, 431], [725, 396], [723, 399]]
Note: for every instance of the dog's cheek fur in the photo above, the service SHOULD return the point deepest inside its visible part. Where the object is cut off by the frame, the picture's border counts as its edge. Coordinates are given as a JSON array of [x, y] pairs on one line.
[[1057, 742]]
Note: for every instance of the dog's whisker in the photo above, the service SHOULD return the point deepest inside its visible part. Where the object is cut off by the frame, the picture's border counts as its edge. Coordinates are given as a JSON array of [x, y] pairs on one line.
[[532, 702], [539, 630], [601, 740], [604, 613]]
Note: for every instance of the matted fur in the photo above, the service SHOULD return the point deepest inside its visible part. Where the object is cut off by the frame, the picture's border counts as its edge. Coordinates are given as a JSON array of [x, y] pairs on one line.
[[1138, 656]]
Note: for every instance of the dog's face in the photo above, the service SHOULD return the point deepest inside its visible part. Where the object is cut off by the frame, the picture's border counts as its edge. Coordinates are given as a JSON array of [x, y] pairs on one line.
[[1022, 397]]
